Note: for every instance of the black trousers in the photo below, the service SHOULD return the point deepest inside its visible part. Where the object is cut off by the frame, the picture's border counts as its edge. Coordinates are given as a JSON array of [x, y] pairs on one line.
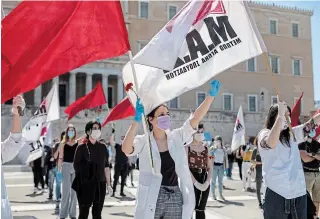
[[120, 170], [201, 197], [38, 176], [259, 182], [240, 168], [97, 204]]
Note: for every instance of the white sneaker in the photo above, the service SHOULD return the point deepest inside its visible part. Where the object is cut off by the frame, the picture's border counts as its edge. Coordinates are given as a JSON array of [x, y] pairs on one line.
[[214, 197], [221, 198]]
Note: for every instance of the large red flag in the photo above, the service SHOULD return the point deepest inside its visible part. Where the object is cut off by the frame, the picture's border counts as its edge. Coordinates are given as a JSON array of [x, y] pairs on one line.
[[44, 39], [317, 129], [93, 99], [123, 110], [296, 111]]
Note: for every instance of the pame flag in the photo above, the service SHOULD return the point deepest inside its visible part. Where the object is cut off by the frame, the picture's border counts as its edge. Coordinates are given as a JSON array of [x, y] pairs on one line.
[[202, 40], [239, 132], [37, 127]]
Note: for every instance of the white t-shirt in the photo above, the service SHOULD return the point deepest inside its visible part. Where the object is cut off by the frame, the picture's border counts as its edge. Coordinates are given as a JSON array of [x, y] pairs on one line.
[[219, 155], [282, 168]]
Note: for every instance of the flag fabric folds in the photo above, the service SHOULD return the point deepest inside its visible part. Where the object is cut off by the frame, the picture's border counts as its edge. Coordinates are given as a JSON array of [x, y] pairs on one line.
[[317, 129], [93, 99], [222, 34], [239, 132], [296, 112], [44, 39], [121, 111]]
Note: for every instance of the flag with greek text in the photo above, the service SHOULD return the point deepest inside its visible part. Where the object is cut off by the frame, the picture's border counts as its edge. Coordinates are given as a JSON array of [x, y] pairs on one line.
[[202, 40], [239, 132]]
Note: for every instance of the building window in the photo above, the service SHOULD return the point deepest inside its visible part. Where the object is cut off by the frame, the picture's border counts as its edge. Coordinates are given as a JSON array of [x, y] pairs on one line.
[[274, 62], [295, 100], [141, 45], [296, 67], [252, 103], [144, 9], [273, 27], [251, 65], [172, 11], [174, 103], [227, 102], [200, 98], [63, 94], [295, 30], [274, 100]]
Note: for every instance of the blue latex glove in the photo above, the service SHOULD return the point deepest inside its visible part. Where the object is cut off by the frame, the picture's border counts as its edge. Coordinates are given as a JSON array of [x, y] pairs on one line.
[[139, 111], [214, 88]]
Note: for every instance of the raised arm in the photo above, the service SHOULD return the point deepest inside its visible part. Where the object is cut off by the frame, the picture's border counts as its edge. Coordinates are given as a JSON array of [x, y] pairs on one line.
[[202, 110], [128, 144]]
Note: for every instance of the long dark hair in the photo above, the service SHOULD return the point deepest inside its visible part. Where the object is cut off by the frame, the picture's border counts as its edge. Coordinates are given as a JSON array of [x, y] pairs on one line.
[[271, 119], [151, 115]]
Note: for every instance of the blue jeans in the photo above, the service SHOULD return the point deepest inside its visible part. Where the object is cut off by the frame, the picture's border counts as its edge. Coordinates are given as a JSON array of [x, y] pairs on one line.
[[218, 171], [277, 207], [58, 185]]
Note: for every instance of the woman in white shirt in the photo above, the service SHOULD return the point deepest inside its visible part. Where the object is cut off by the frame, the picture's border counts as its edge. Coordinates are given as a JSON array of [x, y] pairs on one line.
[[220, 160], [162, 195], [285, 196]]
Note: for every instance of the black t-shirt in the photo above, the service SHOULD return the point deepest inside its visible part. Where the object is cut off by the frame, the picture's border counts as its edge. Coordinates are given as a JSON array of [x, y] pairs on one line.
[[313, 147], [98, 155], [168, 170], [121, 158], [68, 152]]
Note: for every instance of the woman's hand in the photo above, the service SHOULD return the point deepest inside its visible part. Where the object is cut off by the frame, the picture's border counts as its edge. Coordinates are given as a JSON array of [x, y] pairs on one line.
[[214, 88]]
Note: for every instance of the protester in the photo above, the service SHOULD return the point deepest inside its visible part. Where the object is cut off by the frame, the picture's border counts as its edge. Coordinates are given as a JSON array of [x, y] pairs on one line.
[[9, 150], [121, 165], [282, 168], [239, 160], [90, 161], [220, 161], [108, 165], [38, 172], [132, 166], [67, 150], [310, 155], [161, 190], [246, 153], [200, 166], [257, 164], [49, 166], [231, 158]]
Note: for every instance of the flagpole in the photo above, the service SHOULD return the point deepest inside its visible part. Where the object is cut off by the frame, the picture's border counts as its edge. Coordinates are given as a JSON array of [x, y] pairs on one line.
[[277, 91], [144, 124]]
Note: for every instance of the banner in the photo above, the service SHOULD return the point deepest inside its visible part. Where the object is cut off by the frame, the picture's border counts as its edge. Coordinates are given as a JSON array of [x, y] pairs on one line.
[[239, 131], [223, 34], [36, 128]]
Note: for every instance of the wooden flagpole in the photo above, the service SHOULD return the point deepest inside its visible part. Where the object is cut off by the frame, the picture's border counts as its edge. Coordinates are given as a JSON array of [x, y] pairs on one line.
[[275, 83], [144, 122]]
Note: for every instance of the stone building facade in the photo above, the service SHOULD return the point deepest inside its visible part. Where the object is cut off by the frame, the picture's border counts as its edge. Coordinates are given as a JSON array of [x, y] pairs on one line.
[[285, 31]]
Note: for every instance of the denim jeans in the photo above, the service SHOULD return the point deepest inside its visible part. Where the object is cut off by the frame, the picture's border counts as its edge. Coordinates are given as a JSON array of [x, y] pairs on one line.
[[218, 172], [52, 177], [277, 207]]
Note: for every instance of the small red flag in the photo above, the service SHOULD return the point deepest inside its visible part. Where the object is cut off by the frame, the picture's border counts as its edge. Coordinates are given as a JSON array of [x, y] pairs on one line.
[[44, 39], [93, 99], [123, 110], [317, 129], [296, 111]]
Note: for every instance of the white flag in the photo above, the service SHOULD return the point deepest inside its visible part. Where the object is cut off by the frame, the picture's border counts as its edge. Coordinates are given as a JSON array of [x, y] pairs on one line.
[[37, 127], [239, 131], [222, 35]]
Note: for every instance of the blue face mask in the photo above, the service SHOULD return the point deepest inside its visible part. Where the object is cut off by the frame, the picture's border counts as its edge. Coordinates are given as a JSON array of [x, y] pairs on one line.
[[312, 133], [70, 134]]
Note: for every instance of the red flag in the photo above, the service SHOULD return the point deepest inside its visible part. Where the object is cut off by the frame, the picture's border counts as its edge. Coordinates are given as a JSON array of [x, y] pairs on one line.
[[123, 110], [317, 129], [93, 99], [44, 39], [296, 111]]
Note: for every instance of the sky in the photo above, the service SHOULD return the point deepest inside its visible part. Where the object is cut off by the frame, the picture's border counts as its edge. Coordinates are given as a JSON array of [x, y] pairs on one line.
[[315, 35]]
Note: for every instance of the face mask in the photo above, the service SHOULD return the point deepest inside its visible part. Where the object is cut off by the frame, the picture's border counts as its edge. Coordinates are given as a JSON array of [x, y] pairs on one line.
[[164, 122], [199, 137], [95, 134], [70, 134], [312, 133]]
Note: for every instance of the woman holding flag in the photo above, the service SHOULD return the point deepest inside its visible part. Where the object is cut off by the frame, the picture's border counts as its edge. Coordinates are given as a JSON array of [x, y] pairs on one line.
[[160, 194]]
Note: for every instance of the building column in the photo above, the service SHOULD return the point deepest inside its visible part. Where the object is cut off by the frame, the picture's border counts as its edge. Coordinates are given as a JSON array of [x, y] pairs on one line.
[[88, 83], [120, 89], [37, 96], [72, 87], [105, 83]]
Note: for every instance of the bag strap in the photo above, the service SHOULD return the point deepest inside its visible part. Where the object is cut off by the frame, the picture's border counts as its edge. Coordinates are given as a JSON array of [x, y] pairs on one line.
[[88, 152]]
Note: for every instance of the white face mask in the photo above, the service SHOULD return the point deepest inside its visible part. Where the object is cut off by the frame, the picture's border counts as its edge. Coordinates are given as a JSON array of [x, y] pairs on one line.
[[199, 137], [95, 134]]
